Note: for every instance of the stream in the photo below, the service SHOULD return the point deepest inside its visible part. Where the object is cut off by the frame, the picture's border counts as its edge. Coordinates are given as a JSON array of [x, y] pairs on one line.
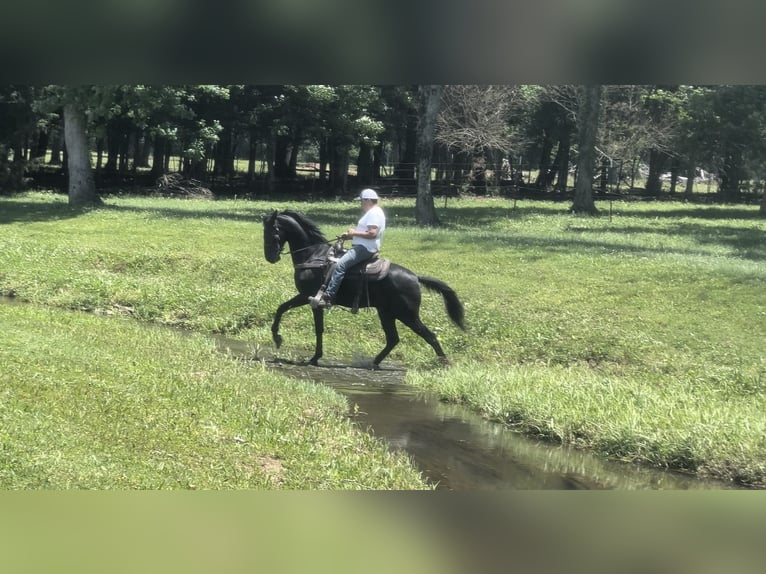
[[457, 449]]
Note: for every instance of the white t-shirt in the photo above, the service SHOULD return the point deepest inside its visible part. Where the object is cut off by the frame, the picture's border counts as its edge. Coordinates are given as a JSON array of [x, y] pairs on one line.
[[376, 218]]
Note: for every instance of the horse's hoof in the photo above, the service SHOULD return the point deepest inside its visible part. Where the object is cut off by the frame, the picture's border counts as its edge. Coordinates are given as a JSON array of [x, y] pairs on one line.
[[278, 341], [314, 362]]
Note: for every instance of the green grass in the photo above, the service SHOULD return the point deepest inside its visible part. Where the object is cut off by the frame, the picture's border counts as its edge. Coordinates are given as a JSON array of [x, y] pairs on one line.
[[88, 402], [638, 335]]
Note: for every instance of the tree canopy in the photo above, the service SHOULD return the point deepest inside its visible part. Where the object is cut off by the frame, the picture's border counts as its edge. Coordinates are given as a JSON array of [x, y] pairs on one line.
[[486, 139]]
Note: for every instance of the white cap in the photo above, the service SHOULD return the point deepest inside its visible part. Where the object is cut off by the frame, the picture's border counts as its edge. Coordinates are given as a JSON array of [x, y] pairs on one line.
[[368, 194]]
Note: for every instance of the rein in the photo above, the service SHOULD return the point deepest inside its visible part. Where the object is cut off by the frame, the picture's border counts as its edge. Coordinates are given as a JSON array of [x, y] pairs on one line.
[[330, 242], [283, 252]]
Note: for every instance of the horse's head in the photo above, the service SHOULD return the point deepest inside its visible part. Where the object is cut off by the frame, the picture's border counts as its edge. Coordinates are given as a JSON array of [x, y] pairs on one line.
[[273, 238]]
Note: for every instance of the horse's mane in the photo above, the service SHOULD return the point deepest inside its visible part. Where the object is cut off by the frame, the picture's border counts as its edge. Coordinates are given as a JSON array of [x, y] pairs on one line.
[[311, 228]]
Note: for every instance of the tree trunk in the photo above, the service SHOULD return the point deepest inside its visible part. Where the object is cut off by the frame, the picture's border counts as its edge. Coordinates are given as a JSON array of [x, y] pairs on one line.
[[282, 149], [588, 128], [56, 142], [224, 152], [338, 167], [113, 138], [479, 173], [19, 165], [603, 178], [544, 161], [126, 150], [252, 154], [324, 153], [269, 161], [430, 99], [99, 154], [730, 177], [690, 175], [563, 167], [405, 169], [656, 165], [553, 169], [364, 166], [41, 147], [675, 166], [292, 164], [158, 157], [377, 160], [81, 187], [143, 150], [440, 157]]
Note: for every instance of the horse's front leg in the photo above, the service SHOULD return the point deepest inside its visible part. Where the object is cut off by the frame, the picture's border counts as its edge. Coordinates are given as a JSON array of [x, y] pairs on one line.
[[296, 301], [318, 331]]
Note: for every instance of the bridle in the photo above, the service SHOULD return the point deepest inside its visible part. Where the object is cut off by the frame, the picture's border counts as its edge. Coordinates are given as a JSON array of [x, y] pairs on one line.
[[278, 239]]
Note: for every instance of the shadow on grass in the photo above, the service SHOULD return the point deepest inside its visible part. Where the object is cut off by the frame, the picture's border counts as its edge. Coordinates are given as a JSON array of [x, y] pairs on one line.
[[255, 216], [748, 244], [31, 211], [324, 213], [709, 213], [502, 210]]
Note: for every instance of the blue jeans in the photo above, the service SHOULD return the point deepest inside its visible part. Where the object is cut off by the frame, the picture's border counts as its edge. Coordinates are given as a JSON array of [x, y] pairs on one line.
[[356, 254]]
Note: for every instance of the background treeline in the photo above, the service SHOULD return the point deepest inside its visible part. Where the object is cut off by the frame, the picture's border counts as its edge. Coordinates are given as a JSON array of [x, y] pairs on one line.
[[685, 140]]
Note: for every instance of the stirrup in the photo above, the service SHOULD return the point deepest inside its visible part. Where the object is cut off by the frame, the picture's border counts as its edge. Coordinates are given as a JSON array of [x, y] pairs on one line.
[[320, 301]]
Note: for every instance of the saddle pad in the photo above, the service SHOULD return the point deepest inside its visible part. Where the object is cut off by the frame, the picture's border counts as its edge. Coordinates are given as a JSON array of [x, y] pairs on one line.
[[377, 269]]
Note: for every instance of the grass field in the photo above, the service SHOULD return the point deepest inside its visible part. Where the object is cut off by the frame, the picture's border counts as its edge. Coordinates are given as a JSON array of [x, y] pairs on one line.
[[637, 335]]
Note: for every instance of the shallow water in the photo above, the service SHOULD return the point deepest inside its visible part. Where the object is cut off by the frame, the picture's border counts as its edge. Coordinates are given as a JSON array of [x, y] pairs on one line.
[[457, 449]]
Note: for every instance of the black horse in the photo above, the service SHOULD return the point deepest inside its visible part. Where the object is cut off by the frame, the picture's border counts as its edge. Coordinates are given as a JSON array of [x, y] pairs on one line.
[[396, 296]]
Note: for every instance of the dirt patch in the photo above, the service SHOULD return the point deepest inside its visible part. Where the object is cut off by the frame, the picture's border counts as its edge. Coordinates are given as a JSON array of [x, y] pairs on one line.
[[272, 468]]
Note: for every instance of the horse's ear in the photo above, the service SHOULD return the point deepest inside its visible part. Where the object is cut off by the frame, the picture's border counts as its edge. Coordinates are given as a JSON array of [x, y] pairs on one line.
[[270, 217]]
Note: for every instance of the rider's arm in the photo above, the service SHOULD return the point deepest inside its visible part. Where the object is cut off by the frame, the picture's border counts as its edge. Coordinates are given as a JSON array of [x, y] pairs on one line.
[[371, 233]]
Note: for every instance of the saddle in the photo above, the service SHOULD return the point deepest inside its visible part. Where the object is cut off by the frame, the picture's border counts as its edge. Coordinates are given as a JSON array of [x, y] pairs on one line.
[[374, 269]]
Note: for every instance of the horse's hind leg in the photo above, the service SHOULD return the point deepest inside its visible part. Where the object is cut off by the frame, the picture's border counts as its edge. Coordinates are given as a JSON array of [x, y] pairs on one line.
[[388, 322], [318, 331], [414, 323]]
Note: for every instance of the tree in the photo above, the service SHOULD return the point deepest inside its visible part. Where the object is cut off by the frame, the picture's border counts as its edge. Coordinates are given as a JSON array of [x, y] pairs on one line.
[[17, 122], [79, 104], [402, 104], [429, 98], [629, 127], [738, 135], [664, 108], [587, 125], [81, 186], [475, 124], [552, 125]]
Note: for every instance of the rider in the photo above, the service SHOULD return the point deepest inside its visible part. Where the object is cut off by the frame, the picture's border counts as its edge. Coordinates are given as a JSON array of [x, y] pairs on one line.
[[365, 244]]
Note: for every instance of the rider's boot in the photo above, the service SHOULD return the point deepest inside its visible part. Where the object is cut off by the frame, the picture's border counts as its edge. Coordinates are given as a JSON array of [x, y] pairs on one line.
[[321, 300]]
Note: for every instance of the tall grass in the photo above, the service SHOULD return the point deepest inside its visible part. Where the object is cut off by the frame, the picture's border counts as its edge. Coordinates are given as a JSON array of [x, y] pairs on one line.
[[638, 333]]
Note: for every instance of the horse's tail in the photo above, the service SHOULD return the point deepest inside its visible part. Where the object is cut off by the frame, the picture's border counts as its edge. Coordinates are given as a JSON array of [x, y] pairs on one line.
[[451, 301]]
